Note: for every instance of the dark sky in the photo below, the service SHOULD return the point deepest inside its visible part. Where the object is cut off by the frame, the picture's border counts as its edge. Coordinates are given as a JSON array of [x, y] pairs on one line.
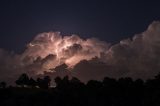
[[22, 20]]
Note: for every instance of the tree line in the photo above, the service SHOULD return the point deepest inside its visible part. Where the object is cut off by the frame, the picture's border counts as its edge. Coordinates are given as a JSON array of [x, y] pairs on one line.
[[73, 92]]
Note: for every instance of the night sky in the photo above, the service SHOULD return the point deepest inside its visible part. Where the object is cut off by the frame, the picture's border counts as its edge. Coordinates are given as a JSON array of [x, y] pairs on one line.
[[22, 20]]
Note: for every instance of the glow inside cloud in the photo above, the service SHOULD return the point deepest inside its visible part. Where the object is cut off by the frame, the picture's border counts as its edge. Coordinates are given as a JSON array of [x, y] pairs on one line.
[[86, 59]]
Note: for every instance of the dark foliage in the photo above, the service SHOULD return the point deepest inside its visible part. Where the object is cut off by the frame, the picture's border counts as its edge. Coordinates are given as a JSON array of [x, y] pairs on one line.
[[3, 85], [23, 80], [43, 83], [72, 92], [32, 83]]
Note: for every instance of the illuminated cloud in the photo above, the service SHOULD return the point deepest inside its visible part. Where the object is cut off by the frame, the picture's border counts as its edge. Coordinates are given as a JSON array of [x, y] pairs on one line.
[[67, 49], [86, 59]]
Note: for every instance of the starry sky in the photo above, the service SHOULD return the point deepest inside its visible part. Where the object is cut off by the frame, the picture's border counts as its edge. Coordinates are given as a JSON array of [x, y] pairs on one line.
[[108, 20]]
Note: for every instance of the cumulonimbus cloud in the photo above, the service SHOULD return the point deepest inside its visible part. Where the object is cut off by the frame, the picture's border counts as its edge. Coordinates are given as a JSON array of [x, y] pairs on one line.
[[137, 57]]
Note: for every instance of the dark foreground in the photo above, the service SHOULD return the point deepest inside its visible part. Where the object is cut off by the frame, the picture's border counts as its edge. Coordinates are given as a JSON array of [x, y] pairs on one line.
[[109, 92]]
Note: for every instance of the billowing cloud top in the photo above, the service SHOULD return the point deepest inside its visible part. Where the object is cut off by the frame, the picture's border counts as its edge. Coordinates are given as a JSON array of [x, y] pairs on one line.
[[86, 59]]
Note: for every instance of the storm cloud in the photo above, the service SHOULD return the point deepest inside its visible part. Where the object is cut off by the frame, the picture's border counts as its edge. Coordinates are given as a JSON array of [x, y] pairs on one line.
[[137, 57]]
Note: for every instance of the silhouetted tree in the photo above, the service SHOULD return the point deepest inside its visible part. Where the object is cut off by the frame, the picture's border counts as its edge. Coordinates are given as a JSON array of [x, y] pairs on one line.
[[72, 92], [40, 82], [125, 82], [62, 83], [58, 80], [75, 83], [157, 76], [66, 79], [75, 80], [23, 80], [93, 84], [32, 82], [109, 82], [3, 84], [44, 83]]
